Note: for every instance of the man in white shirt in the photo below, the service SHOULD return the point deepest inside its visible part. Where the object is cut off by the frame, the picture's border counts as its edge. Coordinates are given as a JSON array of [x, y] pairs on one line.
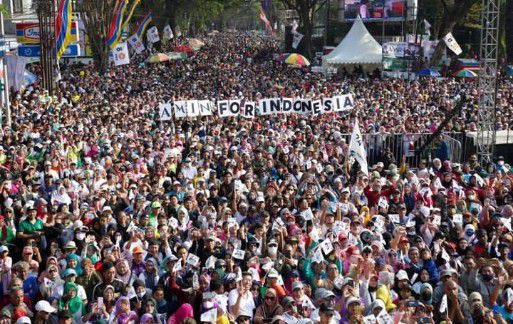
[[240, 300]]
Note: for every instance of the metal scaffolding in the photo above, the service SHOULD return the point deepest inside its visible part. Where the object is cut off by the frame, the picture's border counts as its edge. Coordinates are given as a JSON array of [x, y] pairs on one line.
[[46, 16], [488, 81]]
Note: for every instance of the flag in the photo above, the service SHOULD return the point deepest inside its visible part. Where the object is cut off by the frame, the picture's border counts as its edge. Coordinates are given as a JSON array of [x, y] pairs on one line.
[[153, 34], [427, 27], [63, 27], [135, 42], [451, 42], [143, 25], [443, 304], [357, 149], [178, 31], [120, 54], [167, 32], [116, 24], [267, 23], [297, 37], [126, 21]]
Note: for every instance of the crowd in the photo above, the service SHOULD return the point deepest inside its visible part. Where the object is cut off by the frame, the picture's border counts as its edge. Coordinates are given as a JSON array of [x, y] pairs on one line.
[[108, 215]]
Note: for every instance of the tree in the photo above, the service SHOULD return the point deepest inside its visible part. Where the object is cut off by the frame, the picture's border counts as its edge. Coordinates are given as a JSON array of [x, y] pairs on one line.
[[453, 12], [97, 15], [306, 10]]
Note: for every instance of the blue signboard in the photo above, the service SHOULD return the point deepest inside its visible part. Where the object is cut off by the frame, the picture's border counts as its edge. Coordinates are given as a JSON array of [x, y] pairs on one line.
[[35, 50]]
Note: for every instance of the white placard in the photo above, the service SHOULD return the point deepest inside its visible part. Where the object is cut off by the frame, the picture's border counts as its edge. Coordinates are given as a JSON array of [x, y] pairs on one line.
[[326, 246], [394, 218], [317, 256], [453, 45], [120, 54], [167, 33], [457, 218], [339, 227], [437, 220], [165, 111], [238, 254], [193, 259], [307, 214], [173, 222], [211, 262], [210, 316], [135, 42], [153, 34], [178, 266]]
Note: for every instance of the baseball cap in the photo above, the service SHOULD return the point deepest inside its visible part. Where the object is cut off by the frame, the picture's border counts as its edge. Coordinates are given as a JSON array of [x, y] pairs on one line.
[[69, 272], [402, 275], [297, 285], [351, 300], [23, 320], [44, 306], [322, 293]]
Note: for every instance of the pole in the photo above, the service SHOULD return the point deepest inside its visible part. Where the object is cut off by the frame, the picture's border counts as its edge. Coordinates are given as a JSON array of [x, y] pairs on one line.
[[5, 91], [326, 24]]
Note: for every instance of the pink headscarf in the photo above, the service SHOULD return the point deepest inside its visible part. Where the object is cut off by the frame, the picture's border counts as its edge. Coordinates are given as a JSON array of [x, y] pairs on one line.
[[185, 311]]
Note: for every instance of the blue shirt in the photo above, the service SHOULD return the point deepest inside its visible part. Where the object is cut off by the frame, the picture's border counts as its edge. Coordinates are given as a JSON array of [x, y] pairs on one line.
[[30, 287]]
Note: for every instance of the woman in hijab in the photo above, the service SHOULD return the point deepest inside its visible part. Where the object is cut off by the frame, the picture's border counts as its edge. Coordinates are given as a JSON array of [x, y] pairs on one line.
[[269, 308], [49, 279], [124, 273], [70, 301], [150, 307], [150, 277], [147, 319], [61, 197], [185, 311], [122, 313], [73, 262]]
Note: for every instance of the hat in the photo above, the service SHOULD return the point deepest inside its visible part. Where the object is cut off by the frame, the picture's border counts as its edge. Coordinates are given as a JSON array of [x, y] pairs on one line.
[[287, 300], [446, 272], [156, 204], [137, 250], [106, 209], [176, 183], [23, 320], [322, 293], [475, 297], [69, 272], [402, 275], [351, 300], [44, 306], [273, 274], [297, 285], [70, 245]]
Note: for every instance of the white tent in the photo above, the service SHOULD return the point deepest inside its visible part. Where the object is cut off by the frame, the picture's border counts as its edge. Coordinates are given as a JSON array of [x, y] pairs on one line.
[[358, 47]]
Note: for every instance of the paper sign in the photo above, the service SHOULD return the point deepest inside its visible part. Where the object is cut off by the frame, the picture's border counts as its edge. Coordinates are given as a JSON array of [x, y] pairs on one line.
[[414, 278], [410, 223], [339, 281], [318, 167], [443, 304], [437, 220], [268, 266], [192, 259], [211, 262], [339, 227], [371, 319], [238, 254], [385, 318], [506, 222], [195, 281], [178, 266], [48, 283], [445, 255], [307, 214], [352, 240], [394, 218], [210, 316], [317, 256], [382, 202], [509, 294], [254, 274], [173, 222], [326, 246], [457, 218]]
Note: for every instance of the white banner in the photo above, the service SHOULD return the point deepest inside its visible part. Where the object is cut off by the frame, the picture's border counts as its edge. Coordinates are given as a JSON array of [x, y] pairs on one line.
[[153, 35], [120, 54], [357, 149], [135, 42], [453, 45], [249, 109], [167, 33], [297, 37]]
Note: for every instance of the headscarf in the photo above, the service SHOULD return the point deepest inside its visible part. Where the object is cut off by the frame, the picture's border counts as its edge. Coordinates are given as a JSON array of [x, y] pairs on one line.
[[78, 267], [151, 301], [185, 311], [125, 277], [124, 318], [146, 317], [74, 304]]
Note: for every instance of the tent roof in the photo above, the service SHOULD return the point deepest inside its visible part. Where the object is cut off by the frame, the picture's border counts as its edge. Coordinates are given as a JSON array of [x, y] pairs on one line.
[[358, 47]]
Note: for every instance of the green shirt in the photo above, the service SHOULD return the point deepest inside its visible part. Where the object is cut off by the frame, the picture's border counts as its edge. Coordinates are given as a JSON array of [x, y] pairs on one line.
[[26, 227]]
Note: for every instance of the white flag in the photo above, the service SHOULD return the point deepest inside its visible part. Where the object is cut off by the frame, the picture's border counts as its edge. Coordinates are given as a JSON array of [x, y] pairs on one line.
[[443, 304], [297, 39], [294, 26], [357, 149], [451, 42], [168, 32], [135, 42], [153, 34], [120, 54]]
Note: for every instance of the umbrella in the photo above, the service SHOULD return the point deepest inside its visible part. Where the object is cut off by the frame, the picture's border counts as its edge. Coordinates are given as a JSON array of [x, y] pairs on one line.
[[196, 43], [428, 72], [295, 59], [159, 57], [466, 73], [183, 49]]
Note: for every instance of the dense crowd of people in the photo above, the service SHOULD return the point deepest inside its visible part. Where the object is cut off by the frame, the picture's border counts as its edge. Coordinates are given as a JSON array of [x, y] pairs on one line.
[[109, 215]]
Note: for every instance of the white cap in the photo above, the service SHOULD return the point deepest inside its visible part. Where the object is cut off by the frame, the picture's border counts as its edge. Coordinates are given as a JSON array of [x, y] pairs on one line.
[[44, 306], [402, 275], [23, 320]]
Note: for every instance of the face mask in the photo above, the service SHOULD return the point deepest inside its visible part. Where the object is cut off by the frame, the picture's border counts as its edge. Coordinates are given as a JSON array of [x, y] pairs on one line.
[[141, 295], [273, 250], [80, 236], [487, 277]]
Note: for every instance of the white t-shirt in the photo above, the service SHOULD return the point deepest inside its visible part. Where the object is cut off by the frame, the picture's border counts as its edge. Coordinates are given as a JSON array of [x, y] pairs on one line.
[[247, 304]]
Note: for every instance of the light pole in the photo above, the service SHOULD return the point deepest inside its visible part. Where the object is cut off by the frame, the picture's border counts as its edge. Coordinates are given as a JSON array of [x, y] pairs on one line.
[[4, 84], [46, 16]]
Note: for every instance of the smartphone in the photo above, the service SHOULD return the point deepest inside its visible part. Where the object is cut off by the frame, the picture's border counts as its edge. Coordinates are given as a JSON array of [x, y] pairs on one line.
[[412, 303], [100, 302]]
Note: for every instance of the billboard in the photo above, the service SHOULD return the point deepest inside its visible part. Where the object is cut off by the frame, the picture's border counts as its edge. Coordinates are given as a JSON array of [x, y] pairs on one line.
[[375, 10], [35, 50], [400, 56], [28, 32]]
